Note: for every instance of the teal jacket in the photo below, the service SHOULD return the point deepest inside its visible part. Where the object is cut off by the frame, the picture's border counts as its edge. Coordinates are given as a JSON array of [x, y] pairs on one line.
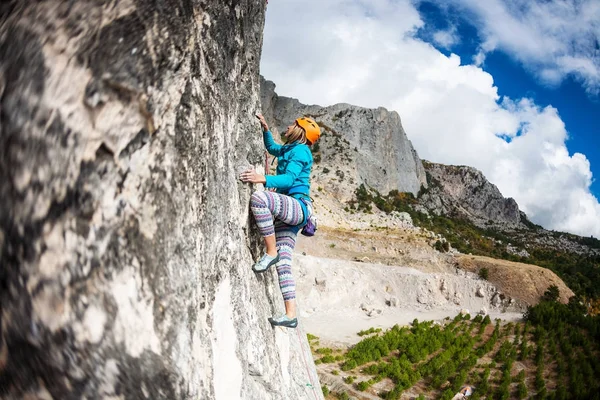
[[294, 162]]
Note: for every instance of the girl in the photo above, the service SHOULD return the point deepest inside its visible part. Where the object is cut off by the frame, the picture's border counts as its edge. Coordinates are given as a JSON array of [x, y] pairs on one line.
[[281, 213]]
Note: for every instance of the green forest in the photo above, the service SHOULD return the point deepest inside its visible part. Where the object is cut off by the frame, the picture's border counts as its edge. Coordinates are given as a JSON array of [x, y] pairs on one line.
[[553, 354]]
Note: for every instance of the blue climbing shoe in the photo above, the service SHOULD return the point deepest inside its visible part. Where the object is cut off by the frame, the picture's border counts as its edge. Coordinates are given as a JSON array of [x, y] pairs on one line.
[[265, 262], [284, 320]]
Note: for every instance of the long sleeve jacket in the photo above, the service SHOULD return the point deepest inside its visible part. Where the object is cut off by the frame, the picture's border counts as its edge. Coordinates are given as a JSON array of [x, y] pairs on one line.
[[294, 163]]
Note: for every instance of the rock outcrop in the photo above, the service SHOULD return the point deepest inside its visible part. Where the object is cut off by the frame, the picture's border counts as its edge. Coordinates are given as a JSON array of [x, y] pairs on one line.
[[358, 145], [465, 192], [125, 238]]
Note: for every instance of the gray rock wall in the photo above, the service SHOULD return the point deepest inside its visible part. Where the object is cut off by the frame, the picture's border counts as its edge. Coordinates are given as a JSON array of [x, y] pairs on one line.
[[358, 146], [125, 238], [464, 191]]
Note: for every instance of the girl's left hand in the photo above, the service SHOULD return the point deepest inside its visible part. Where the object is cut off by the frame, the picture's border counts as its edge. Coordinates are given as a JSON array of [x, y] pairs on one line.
[[252, 176]]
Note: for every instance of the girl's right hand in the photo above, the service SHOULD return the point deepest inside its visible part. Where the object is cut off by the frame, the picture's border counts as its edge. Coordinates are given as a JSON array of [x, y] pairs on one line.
[[262, 121]]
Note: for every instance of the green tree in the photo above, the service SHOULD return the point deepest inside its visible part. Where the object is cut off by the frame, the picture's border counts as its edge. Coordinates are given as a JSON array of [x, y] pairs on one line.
[[551, 294], [522, 390]]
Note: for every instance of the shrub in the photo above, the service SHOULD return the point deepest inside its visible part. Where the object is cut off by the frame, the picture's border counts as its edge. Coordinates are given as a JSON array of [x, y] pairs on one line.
[[541, 394], [442, 246], [369, 331], [325, 390], [326, 170], [522, 390], [484, 273], [539, 380], [328, 359], [348, 365]]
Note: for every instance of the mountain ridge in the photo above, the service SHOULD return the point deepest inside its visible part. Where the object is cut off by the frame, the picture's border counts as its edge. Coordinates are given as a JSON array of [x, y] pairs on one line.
[[466, 211]]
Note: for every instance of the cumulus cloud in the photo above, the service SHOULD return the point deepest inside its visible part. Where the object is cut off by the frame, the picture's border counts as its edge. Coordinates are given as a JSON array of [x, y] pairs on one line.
[[552, 38], [365, 52]]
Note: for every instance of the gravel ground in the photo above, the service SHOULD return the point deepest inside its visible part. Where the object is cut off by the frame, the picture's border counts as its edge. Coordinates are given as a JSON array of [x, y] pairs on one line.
[[338, 298]]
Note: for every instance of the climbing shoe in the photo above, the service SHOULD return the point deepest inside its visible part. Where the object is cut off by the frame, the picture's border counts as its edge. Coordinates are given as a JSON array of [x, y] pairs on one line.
[[265, 262], [284, 320]]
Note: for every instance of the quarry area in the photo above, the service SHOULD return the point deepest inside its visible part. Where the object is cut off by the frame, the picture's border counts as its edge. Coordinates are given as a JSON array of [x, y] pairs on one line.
[[375, 270]]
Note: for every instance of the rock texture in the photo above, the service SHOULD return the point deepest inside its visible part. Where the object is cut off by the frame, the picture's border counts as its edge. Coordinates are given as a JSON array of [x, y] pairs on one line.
[[358, 145], [125, 237], [463, 191]]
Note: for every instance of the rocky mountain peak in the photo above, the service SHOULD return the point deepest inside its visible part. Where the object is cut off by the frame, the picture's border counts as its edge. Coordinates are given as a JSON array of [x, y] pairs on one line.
[[358, 145], [464, 191]]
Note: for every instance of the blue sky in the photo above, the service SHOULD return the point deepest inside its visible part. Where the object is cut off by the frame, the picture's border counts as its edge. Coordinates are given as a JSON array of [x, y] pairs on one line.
[[579, 109], [509, 87]]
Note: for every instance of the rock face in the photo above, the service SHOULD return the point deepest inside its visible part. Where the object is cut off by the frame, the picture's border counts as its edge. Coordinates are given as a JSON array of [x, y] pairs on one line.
[[125, 238], [358, 145], [465, 192]]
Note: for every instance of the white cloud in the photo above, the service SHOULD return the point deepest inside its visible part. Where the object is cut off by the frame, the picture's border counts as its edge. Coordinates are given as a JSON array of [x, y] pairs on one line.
[[364, 52], [479, 58], [553, 39], [446, 38]]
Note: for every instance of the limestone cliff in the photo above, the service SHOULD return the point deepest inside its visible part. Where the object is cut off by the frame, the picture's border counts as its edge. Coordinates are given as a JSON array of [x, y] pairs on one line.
[[125, 238], [358, 145], [465, 192]]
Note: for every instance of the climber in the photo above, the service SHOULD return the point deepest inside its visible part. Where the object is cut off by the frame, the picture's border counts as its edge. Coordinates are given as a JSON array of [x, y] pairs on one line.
[[280, 214]]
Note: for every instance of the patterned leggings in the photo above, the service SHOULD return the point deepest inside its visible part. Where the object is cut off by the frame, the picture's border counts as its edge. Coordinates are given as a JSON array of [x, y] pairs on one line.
[[279, 214]]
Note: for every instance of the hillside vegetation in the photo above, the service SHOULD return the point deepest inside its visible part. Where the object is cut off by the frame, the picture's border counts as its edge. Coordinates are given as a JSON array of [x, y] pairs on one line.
[[552, 355]]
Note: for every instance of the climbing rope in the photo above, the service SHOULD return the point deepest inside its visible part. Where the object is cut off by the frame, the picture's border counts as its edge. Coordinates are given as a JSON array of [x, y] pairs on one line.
[[267, 170], [312, 385]]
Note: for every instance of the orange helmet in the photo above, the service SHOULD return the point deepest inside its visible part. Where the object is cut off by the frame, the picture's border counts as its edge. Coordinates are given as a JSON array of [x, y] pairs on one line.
[[313, 132]]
